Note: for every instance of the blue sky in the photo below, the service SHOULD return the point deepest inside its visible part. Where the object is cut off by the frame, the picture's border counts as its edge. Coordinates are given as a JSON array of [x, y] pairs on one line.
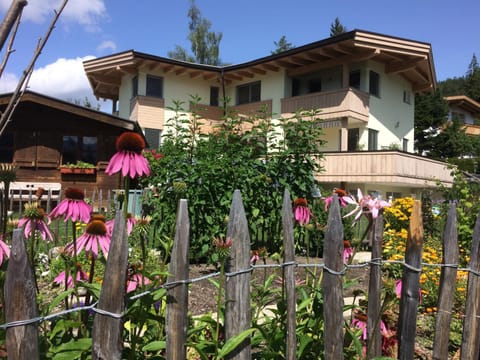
[[94, 28]]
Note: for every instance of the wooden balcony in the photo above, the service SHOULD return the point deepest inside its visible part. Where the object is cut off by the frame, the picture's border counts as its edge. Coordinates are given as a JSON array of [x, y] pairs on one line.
[[384, 167], [350, 103], [148, 111]]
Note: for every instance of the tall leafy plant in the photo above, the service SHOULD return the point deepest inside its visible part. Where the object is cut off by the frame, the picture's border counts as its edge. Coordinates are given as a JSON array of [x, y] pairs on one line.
[[258, 155]]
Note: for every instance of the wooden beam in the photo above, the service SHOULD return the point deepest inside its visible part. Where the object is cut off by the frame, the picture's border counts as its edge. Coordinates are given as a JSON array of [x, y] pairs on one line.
[[332, 62], [401, 66], [258, 71], [246, 73], [271, 67]]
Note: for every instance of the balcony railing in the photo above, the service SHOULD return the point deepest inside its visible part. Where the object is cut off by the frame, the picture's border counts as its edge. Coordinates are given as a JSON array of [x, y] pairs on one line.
[[148, 111], [384, 167], [349, 103]]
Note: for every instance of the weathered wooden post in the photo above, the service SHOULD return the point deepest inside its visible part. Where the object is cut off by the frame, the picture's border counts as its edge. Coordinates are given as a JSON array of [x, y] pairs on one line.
[[177, 296], [470, 338], [108, 327], [446, 291], [332, 286], [289, 276], [374, 316], [237, 289], [20, 302], [407, 323]]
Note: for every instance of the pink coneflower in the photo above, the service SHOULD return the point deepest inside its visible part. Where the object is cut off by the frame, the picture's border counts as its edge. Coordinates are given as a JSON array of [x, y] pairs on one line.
[[255, 257], [360, 322], [135, 280], [398, 290], [365, 203], [95, 235], [131, 222], [73, 207], [129, 159], [34, 220], [301, 211], [81, 276], [342, 194], [4, 251], [347, 251]]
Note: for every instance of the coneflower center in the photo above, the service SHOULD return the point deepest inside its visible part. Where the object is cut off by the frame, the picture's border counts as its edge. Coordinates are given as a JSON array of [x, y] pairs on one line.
[[300, 202], [130, 141], [74, 194], [96, 227]]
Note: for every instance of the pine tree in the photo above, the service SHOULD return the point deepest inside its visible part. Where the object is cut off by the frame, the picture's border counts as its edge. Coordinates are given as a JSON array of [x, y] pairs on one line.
[[282, 45], [336, 28], [431, 114], [205, 44], [472, 80]]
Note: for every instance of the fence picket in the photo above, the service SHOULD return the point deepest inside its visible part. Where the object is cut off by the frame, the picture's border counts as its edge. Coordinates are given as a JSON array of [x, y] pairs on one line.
[[446, 292], [20, 302], [470, 340], [332, 284], [407, 320], [237, 290], [289, 276], [374, 346], [108, 330], [177, 296]]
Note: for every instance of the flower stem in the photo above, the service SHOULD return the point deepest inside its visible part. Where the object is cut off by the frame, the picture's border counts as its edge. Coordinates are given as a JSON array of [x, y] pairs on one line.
[[219, 300], [127, 193]]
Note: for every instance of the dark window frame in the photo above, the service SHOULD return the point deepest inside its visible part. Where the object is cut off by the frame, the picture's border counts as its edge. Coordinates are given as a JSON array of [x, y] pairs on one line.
[[374, 83], [249, 93], [214, 95], [372, 139], [154, 86], [80, 149], [354, 79]]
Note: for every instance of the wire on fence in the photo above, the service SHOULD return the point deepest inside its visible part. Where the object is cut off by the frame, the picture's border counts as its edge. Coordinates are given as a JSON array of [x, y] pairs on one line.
[[168, 285]]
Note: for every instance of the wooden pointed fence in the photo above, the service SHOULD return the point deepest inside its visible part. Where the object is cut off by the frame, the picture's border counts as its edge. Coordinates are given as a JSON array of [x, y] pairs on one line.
[[22, 317]]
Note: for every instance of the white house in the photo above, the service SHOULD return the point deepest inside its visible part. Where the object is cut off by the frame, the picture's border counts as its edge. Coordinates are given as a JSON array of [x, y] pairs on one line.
[[362, 82]]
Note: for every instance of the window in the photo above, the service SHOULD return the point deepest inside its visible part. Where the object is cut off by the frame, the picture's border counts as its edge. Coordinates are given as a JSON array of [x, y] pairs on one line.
[[214, 94], [296, 87], [154, 86], [354, 79], [458, 116], [6, 147], [406, 97], [79, 148], [153, 137], [405, 144], [134, 86], [391, 195], [372, 139], [314, 85], [374, 84], [248, 93], [353, 138]]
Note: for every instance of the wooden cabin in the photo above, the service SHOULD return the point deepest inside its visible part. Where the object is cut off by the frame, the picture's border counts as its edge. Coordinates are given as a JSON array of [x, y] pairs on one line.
[[46, 136]]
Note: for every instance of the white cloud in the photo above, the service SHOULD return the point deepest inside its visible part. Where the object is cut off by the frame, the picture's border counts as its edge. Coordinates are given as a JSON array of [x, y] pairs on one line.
[[87, 13], [64, 79], [107, 45]]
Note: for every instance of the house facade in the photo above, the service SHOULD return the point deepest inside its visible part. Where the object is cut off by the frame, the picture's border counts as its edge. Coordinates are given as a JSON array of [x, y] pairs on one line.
[[47, 136], [465, 109], [362, 83]]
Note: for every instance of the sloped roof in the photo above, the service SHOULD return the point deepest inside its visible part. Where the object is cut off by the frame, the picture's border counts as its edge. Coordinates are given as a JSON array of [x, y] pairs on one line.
[[30, 97], [464, 102], [411, 59]]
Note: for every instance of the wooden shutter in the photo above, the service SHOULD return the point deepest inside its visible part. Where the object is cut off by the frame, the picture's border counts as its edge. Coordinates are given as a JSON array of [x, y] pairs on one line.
[[25, 149]]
